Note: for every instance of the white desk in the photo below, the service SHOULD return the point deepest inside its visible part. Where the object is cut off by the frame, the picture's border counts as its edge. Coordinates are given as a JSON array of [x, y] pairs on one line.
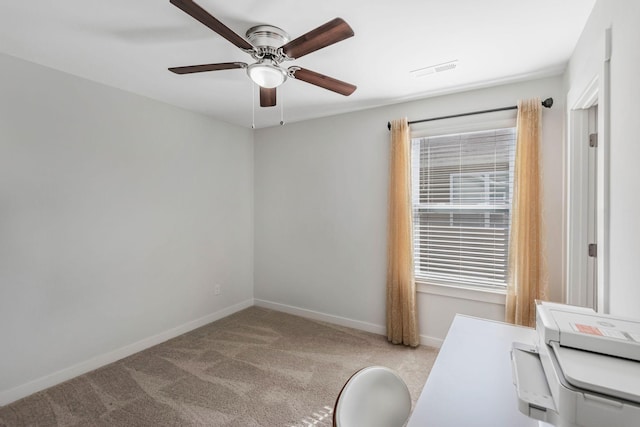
[[470, 384]]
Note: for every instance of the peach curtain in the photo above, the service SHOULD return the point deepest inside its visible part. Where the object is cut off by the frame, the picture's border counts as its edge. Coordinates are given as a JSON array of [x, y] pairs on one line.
[[527, 278], [402, 319]]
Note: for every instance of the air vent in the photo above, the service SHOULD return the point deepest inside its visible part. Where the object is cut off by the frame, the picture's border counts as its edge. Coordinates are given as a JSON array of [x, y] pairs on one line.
[[438, 68]]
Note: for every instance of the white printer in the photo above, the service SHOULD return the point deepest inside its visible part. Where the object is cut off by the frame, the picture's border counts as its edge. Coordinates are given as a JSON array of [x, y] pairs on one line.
[[584, 370]]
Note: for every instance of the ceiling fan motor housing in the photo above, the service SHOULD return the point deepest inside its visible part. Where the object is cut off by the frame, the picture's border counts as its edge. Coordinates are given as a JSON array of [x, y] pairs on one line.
[[267, 36]]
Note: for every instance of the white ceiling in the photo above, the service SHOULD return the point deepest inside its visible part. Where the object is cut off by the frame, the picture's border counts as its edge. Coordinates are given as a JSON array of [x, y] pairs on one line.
[[129, 44]]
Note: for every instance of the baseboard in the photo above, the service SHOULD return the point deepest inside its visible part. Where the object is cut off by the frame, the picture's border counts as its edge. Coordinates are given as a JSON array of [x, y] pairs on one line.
[[338, 320], [316, 315], [431, 341], [13, 394]]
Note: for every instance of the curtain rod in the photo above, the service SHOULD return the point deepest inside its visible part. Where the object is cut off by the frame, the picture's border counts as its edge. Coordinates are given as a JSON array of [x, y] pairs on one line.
[[547, 103]]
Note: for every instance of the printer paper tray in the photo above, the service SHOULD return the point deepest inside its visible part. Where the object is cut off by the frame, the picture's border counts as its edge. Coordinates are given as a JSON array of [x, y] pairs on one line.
[[534, 395]]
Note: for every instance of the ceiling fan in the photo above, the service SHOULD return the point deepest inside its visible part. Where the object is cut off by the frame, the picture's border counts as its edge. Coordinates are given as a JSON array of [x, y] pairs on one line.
[[270, 47]]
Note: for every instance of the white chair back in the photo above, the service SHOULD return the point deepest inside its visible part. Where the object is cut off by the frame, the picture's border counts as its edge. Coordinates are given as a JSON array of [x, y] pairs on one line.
[[373, 397]]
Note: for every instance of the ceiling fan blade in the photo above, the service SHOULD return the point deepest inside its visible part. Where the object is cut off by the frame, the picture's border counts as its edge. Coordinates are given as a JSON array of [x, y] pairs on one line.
[[207, 67], [326, 82], [323, 36], [197, 12], [267, 97]]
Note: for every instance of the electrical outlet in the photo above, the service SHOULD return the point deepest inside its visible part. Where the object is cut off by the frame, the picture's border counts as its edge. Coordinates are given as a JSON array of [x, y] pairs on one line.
[[217, 290]]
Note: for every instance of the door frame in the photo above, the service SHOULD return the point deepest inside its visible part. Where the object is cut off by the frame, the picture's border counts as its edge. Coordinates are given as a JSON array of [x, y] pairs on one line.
[[596, 91]]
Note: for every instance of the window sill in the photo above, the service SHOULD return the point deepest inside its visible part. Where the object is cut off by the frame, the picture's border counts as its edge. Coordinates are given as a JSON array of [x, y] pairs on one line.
[[492, 296]]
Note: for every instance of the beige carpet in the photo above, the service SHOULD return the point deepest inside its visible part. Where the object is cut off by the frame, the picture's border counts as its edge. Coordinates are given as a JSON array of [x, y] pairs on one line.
[[255, 368]]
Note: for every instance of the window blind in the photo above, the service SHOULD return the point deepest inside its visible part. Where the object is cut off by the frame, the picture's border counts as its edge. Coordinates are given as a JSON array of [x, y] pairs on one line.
[[462, 187]]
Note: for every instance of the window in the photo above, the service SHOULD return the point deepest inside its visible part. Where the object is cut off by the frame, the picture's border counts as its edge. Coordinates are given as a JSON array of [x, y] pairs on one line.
[[462, 186]]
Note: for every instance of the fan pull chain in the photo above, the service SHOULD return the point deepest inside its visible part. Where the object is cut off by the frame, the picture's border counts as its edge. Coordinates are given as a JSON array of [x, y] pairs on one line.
[[281, 108], [253, 105]]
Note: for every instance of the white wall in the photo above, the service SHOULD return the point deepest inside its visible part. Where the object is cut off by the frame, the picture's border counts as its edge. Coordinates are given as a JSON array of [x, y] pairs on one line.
[[321, 210], [622, 147], [118, 214]]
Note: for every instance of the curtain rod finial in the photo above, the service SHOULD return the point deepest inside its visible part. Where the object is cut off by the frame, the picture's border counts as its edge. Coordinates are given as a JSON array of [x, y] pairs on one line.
[[547, 103]]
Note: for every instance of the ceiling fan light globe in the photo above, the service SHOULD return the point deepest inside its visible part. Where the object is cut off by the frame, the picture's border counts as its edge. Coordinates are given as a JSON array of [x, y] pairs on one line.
[[266, 75]]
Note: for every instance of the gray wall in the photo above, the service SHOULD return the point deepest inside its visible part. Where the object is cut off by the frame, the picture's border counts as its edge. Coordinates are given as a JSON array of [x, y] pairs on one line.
[[118, 215], [321, 211]]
